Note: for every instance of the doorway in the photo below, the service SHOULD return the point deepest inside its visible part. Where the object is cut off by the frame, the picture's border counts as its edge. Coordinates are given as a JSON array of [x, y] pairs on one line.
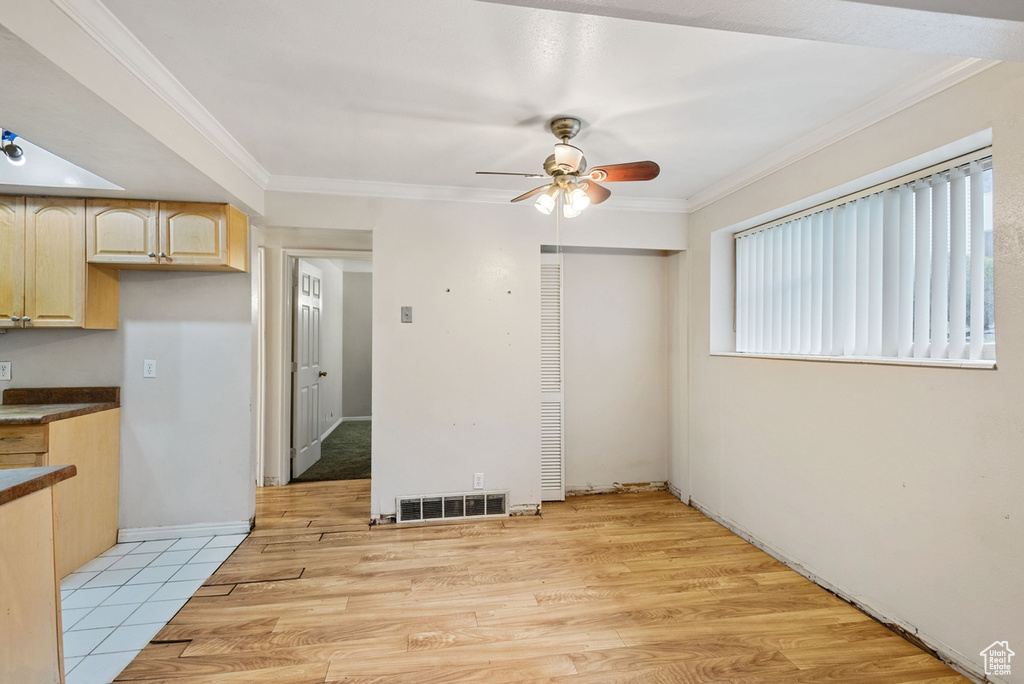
[[332, 357], [275, 439]]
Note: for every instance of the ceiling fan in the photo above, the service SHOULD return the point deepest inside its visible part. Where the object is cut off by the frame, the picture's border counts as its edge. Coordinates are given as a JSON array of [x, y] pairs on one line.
[[567, 168]]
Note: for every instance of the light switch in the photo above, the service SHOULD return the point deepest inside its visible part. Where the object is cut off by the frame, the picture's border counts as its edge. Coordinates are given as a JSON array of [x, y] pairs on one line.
[[407, 314]]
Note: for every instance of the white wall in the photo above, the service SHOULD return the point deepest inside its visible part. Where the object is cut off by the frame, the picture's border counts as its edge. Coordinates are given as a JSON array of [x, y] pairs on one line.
[[185, 444], [616, 322], [331, 342], [185, 435], [358, 360], [901, 486], [678, 371], [456, 391]]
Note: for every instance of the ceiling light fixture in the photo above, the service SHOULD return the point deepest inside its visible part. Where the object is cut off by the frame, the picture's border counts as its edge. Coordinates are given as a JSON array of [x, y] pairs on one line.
[[568, 157], [577, 198], [13, 152], [570, 180], [546, 202]]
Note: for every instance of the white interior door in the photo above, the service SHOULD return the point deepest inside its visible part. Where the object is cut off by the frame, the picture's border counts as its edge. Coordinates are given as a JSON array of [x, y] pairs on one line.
[[306, 372], [552, 441]]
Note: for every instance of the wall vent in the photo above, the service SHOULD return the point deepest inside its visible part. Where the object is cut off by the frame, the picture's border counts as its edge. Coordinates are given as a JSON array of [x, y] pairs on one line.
[[451, 506]]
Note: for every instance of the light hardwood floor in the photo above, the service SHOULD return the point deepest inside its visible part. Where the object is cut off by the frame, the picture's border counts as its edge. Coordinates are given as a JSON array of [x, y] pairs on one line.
[[612, 588]]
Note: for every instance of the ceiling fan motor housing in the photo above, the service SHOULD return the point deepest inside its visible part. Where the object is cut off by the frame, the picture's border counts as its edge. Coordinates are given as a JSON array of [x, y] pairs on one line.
[[565, 127]]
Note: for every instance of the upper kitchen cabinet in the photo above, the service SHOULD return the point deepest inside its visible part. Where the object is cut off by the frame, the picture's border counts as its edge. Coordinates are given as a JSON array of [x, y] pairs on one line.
[[45, 281], [12, 260], [120, 232], [184, 236]]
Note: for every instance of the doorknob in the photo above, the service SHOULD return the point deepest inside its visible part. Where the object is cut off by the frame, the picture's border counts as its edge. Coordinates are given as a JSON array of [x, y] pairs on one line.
[[322, 373]]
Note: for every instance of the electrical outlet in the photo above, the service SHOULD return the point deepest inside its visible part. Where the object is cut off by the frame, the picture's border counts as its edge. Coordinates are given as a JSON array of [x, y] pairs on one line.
[[149, 368], [5, 370], [478, 480]]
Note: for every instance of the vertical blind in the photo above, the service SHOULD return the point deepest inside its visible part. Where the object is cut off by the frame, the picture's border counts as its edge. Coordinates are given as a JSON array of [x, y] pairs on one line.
[[903, 270]]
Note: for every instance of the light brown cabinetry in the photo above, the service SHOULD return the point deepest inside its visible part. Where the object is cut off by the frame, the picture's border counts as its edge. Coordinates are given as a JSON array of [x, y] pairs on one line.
[[167, 235], [31, 642], [45, 280], [121, 232], [12, 260], [86, 504]]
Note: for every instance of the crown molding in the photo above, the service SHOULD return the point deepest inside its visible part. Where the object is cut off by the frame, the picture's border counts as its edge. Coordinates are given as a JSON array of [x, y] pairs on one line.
[[943, 76], [93, 17], [667, 205], [337, 186]]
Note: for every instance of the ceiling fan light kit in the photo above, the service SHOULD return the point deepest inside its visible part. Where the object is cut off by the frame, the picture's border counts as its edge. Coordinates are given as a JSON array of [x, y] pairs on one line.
[[569, 181], [546, 202], [568, 157], [577, 197]]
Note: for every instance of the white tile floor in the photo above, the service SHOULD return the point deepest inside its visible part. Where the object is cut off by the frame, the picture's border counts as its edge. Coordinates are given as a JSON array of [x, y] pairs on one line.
[[114, 604]]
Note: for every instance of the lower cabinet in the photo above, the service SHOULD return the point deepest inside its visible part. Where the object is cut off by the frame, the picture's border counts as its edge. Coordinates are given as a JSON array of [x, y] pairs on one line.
[[30, 626], [86, 504]]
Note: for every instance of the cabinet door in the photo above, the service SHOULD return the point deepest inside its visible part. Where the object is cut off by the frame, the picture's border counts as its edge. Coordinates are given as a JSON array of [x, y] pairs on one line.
[[12, 261], [121, 232], [54, 262], [193, 234]]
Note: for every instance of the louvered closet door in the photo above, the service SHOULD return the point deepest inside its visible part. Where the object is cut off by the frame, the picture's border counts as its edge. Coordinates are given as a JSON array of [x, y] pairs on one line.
[[552, 467]]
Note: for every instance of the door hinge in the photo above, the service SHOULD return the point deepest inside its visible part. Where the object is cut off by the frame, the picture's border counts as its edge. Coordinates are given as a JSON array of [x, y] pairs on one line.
[[295, 366], [292, 453]]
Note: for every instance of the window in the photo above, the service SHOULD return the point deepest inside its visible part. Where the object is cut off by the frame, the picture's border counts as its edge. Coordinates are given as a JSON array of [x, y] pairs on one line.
[[902, 270]]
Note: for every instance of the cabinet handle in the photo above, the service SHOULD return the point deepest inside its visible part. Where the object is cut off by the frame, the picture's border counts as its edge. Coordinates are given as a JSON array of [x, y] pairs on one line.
[[26, 319], [164, 256], [15, 319], [152, 255], [11, 439]]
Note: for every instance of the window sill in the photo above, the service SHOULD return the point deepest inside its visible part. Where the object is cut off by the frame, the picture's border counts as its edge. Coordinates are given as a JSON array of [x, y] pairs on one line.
[[981, 364]]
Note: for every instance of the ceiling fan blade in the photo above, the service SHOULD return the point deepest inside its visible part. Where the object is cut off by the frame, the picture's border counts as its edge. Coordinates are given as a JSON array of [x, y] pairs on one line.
[[505, 173], [596, 193], [631, 171], [533, 192]]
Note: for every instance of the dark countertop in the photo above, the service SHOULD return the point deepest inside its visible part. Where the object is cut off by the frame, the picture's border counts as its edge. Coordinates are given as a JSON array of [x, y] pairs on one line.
[[18, 482], [34, 406]]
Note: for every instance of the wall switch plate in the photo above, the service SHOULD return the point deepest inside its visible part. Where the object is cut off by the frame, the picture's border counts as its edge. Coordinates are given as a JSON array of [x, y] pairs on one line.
[[407, 314], [5, 370], [478, 480], [149, 368]]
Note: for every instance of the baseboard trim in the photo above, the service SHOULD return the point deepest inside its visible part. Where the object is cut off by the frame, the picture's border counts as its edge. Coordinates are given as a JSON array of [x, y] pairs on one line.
[[349, 418], [331, 429], [616, 488], [137, 534], [938, 649]]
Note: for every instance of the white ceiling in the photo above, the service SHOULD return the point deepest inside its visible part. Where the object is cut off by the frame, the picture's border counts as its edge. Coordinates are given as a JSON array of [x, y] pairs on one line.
[[409, 97]]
